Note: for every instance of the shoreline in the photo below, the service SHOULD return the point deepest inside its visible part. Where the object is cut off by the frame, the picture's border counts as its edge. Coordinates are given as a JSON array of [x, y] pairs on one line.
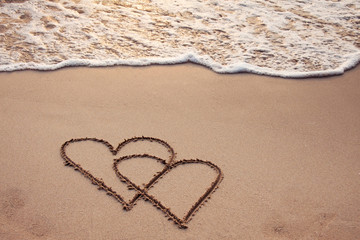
[[190, 58]]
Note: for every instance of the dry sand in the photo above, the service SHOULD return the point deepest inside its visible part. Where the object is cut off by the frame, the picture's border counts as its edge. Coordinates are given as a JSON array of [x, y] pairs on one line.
[[289, 150]]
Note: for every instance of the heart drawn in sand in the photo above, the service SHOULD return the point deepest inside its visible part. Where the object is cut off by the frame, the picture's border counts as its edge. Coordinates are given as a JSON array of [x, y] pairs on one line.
[[143, 192]]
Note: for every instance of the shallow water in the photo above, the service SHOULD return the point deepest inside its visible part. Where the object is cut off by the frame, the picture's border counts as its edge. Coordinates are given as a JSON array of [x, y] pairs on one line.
[[282, 38]]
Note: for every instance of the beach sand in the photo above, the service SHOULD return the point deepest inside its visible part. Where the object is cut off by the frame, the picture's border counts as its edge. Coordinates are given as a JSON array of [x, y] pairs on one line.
[[289, 150]]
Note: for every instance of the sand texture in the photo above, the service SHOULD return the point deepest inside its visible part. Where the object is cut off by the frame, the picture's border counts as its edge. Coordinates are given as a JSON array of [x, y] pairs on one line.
[[288, 151]]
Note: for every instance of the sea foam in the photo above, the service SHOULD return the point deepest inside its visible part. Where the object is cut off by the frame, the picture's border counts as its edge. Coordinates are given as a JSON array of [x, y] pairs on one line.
[[278, 38]]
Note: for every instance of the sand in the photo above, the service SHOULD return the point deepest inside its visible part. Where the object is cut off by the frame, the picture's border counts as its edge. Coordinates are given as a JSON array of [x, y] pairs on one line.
[[289, 151]]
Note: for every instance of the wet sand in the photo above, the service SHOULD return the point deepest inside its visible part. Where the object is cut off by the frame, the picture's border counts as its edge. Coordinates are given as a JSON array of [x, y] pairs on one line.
[[288, 149]]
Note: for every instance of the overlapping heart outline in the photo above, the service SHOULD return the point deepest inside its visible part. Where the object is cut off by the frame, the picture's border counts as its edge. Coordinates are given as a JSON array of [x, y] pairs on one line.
[[143, 192]]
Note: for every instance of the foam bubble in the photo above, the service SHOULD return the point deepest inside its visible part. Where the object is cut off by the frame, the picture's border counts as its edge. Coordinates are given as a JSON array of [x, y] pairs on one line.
[[278, 38]]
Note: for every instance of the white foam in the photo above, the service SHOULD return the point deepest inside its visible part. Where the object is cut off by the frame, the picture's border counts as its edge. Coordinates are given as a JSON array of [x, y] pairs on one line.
[[282, 38]]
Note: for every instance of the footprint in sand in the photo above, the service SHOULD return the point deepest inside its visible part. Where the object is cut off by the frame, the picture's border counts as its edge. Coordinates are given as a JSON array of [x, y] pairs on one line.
[[297, 227], [11, 200], [16, 222]]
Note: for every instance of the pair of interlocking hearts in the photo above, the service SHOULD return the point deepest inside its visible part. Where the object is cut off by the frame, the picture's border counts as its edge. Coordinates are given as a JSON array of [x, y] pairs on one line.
[[143, 192]]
